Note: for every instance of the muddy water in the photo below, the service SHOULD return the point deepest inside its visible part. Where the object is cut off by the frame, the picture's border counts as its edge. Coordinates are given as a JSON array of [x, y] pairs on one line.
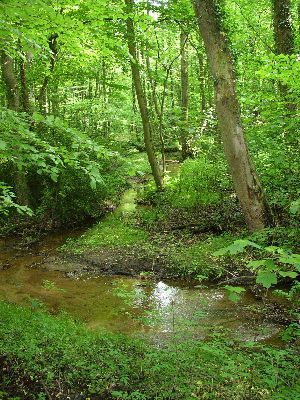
[[127, 305]]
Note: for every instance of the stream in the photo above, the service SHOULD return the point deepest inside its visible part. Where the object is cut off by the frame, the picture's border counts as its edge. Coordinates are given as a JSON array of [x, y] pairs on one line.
[[128, 305], [142, 306]]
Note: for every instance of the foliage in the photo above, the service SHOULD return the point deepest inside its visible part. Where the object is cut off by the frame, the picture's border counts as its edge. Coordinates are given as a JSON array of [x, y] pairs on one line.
[[200, 182], [7, 202], [196, 259], [280, 262], [42, 355], [70, 169]]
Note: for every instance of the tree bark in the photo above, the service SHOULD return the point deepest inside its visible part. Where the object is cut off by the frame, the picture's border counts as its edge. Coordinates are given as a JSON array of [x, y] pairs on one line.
[[11, 82], [13, 103], [24, 88], [284, 40], [42, 98], [141, 98], [283, 30], [201, 81], [184, 93], [245, 179]]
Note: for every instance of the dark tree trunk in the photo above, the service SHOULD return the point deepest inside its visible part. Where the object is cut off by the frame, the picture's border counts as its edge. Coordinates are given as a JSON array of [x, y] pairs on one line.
[[245, 179], [13, 103], [141, 98], [11, 82], [184, 94], [284, 39], [283, 31], [42, 98]]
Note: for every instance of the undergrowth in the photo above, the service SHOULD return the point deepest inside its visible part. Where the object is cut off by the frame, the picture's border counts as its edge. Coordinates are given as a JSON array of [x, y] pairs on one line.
[[42, 356]]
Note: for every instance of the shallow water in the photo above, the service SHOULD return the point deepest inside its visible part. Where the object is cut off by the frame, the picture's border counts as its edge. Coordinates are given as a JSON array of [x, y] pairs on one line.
[[128, 305]]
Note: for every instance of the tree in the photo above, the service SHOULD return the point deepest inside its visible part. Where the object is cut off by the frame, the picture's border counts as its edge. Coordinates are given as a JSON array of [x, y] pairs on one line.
[[11, 81], [184, 93], [244, 176], [13, 103], [141, 98], [283, 30], [284, 38]]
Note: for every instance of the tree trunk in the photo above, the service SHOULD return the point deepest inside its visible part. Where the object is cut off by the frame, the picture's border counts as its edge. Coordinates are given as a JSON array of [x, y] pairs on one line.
[[42, 98], [141, 98], [159, 111], [184, 94], [13, 103], [284, 38], [24, 88], [245, 179], [201, 81], [11, 82], [283, 31]]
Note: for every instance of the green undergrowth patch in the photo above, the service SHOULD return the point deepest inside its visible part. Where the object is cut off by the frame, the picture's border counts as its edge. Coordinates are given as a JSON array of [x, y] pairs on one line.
[[112, 231], [42, 356], [197, 260]]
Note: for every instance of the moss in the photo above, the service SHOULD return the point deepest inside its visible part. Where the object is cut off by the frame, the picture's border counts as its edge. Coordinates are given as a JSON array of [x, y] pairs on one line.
[[112, 231]]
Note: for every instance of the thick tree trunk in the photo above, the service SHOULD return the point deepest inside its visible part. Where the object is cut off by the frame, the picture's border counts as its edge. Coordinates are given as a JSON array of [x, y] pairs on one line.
[[141, 98], [11, 82], [184, 94], [245, 179], [284, 39], [283, 31]]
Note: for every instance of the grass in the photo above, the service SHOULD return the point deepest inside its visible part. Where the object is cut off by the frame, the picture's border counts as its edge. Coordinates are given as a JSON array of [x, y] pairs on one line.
[[112, 231], [197, 258], [42, 356]]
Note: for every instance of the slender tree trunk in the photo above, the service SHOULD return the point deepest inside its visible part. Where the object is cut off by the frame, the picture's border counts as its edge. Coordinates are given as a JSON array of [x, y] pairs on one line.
[[284, 38], [106, 123], [42, 98], [184, 94], [24, 88], [245, 179], [159, 111], [13, 103], [141, 98], [201, 81]]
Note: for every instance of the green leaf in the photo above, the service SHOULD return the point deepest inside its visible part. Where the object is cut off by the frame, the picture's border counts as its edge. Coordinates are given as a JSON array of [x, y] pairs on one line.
[[256, 263], [93, 183], [266, 278], [238, 246], [289, 274], [295, 207], [3, 145], [234, 297], [235, 289], [38, 117]]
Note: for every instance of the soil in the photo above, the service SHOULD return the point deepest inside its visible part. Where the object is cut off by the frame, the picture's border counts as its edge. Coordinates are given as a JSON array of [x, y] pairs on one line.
[[125, 261]]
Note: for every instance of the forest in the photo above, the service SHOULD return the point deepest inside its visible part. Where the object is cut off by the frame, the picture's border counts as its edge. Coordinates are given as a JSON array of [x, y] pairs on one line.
[[149, 199]]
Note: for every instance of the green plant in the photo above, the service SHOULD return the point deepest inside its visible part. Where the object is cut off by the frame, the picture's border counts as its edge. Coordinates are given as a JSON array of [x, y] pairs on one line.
[[7, 202], [45, 355], [200, 182]]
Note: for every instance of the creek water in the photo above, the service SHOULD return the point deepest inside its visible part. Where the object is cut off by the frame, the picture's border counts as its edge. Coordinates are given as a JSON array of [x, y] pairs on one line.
[[128, 305]]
